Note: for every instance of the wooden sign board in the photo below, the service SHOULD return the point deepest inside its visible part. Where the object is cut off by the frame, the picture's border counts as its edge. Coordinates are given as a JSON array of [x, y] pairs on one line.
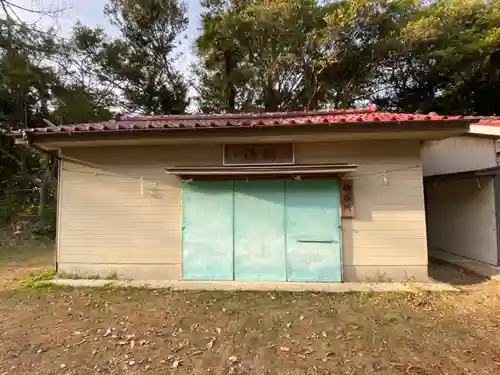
[[259, 154], [347, 198]]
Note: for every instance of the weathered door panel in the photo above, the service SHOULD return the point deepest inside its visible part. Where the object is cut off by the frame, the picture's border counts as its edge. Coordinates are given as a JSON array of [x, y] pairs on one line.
[[259, 231], [313, 230], [207, 230]]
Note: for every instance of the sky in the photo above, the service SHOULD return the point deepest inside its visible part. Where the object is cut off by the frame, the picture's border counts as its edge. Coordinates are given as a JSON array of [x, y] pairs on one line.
[[90, 13]]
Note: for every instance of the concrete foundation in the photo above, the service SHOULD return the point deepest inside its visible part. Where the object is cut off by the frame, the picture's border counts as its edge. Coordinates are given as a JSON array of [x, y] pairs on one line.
[[263, 286]]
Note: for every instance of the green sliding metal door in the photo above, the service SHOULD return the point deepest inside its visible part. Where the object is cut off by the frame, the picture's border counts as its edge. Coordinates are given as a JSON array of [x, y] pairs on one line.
[[259, 230], [313, 230], [207, 230], [268, 230]]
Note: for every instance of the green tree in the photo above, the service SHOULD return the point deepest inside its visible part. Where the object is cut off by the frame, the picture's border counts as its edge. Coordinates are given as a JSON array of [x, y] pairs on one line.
[[138, 65], [448, 60], [291, 54], [34, 87]]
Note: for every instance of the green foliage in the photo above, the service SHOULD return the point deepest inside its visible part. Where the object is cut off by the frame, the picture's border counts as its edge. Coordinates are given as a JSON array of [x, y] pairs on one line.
[[78, 276], [38, 80], [405, 55], [39, 280], [448, 60], [139, 63], [45, 227], [291, 54], [113, 275]]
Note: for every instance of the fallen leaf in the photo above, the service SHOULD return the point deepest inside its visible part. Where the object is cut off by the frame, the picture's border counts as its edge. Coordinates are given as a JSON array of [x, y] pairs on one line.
[[132, 344], [218, 330], [233, 359], [301, 317], [176, 364], [131, 363], [284, 349], [211, 343], [324, 334], [108, 332]]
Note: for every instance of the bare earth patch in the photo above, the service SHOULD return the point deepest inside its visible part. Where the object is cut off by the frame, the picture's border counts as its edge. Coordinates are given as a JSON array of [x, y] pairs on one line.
[[130, 331]]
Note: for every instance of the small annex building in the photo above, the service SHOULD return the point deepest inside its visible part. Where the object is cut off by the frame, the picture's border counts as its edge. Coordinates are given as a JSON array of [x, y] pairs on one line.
[[462, 191], [325, 196]]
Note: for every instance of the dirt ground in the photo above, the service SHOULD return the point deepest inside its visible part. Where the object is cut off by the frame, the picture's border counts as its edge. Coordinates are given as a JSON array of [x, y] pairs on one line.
[[130, 331]]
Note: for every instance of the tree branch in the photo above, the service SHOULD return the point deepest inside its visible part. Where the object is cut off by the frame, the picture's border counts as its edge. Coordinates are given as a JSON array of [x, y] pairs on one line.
[[45, 12]]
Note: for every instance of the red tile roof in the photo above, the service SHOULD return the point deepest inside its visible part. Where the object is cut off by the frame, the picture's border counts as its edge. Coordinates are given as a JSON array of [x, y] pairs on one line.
[[244, 120], [489, 121]]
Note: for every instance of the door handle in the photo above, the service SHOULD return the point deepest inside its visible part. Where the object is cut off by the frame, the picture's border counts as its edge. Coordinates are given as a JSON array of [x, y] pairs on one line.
[[316, 241]]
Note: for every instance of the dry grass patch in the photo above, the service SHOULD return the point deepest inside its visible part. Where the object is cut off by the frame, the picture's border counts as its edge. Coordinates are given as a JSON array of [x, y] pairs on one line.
[[132, 331]]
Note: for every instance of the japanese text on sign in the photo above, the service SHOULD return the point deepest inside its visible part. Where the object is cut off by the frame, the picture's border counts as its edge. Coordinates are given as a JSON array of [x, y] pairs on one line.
[[347, 198], [243, 154]]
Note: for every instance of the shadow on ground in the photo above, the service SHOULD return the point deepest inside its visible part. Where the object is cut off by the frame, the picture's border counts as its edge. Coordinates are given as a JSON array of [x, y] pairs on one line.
[[453, 275]]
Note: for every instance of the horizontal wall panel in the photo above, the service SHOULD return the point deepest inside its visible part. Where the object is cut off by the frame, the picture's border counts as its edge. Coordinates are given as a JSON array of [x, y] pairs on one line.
[[71, 228], [146, 241], [380, 226], [130, 256], [111, 235], [137, 210], [403, 216], [89, 221], [123, 271], [385, 234]]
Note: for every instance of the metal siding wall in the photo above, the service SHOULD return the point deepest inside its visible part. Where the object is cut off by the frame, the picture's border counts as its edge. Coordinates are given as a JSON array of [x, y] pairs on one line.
[[458, 154], [137, 231]]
